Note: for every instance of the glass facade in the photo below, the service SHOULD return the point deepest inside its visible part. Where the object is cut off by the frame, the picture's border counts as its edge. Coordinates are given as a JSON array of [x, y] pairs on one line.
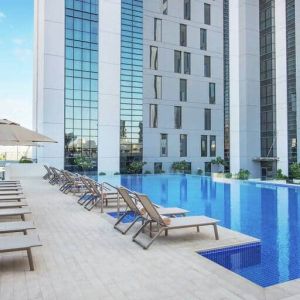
[[268, 78], [226, 87], [131, 82], [81, 82], [291, 80]]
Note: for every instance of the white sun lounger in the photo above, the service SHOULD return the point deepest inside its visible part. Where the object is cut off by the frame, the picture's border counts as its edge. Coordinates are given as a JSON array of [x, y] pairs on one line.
[[11, 198], [11, 212], [11, 227], [20, 243], [6, 193], [12, 204], [10, 188]]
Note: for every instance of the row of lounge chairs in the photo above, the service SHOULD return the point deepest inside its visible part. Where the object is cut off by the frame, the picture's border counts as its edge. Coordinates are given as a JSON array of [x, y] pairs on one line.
[[12, 206], [154, 219]]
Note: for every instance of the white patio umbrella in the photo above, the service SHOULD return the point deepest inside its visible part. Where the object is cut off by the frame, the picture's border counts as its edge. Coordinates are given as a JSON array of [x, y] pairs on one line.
[[12, 134]]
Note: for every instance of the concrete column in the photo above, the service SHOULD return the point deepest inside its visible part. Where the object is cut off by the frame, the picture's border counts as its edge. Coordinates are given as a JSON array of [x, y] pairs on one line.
[[109, 86], [281, 85], [48, 94], [244, 85]]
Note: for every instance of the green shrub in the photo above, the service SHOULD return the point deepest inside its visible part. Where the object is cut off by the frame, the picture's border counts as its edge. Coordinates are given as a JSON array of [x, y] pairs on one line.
[[25, 160], [116, 173], [147, 172], [181, 166], [102, 173], [280, 175], [84, 163], [243, 174], [199, 172], [228, 175], [136, 167], [295, 170]]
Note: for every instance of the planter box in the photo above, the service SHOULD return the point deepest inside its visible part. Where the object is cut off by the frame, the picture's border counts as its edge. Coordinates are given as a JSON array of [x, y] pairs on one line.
[[218, 175], [297, 181]]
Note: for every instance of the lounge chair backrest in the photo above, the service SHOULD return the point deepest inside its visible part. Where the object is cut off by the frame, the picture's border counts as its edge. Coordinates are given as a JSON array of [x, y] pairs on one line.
[[87, 184], [94, 186], [128, 199], [48, 169], [150, 208]]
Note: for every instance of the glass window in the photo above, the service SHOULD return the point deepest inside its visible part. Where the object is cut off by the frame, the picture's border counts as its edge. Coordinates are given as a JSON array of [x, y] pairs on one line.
[[177, 61], [207, 66], [177, 117], [183, 90], [165, 7], [183, 35], [153, 58], [203, 145], [187, 63], [203, 39], [163, 145], [213, 146], [157, 87], [187, 9], [206, 13], [153, 115], [157, 30], [183, 145], [207, 119], [212, 93]]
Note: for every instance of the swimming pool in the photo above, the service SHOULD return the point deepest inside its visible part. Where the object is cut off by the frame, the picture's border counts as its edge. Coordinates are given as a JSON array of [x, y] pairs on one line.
[[268, 212]]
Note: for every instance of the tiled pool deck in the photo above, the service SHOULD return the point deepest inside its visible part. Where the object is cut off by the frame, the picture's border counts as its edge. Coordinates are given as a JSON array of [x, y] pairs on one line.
[[83, 257]]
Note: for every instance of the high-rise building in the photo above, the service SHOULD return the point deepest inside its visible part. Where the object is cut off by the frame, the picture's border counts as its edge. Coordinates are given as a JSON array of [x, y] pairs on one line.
[[167, 80]]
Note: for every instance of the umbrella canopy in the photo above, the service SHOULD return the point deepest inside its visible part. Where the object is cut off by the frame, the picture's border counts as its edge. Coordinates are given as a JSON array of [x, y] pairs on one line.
[[12, 134]]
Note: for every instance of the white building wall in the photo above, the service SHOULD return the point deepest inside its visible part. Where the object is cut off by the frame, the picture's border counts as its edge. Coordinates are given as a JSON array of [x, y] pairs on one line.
[[297, 16], [109, 86], [198, 85], [49, 78], [244, 86], [281, 86]]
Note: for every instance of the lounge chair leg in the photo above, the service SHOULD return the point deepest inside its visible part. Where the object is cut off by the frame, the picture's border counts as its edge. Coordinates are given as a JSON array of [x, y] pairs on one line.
[[23, 217], [29, 254], [198, 229], [216, 231], [129, 227], [166, 232]]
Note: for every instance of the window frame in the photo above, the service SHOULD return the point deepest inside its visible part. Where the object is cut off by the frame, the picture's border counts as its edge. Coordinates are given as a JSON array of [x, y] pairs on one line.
[[185, 148], [153, 116], [177, 117], [207, 14], [164, 137], [153, 56]]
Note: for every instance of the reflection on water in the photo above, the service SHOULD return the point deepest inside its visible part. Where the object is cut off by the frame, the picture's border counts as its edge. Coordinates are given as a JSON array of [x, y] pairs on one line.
[[270, 213]]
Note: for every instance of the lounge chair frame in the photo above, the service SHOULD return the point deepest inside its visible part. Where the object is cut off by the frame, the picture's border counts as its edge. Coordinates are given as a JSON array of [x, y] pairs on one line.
[[155, 217]]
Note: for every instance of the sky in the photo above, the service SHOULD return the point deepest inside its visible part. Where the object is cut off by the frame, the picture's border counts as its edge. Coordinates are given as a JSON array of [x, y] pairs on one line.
[[16, 60]]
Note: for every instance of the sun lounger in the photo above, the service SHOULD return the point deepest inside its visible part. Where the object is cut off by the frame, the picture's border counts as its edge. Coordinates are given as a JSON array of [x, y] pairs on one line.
[[20, 243], [136, 209], [12, 227], [103, 193], [11, 212], [48, 175], [164, 225], [11, 204], [10, 193], [11, 198], [9, 181], [10, 188]]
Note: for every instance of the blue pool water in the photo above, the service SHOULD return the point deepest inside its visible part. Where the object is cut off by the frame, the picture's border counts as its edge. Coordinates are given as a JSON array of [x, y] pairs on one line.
[[268, 212]]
